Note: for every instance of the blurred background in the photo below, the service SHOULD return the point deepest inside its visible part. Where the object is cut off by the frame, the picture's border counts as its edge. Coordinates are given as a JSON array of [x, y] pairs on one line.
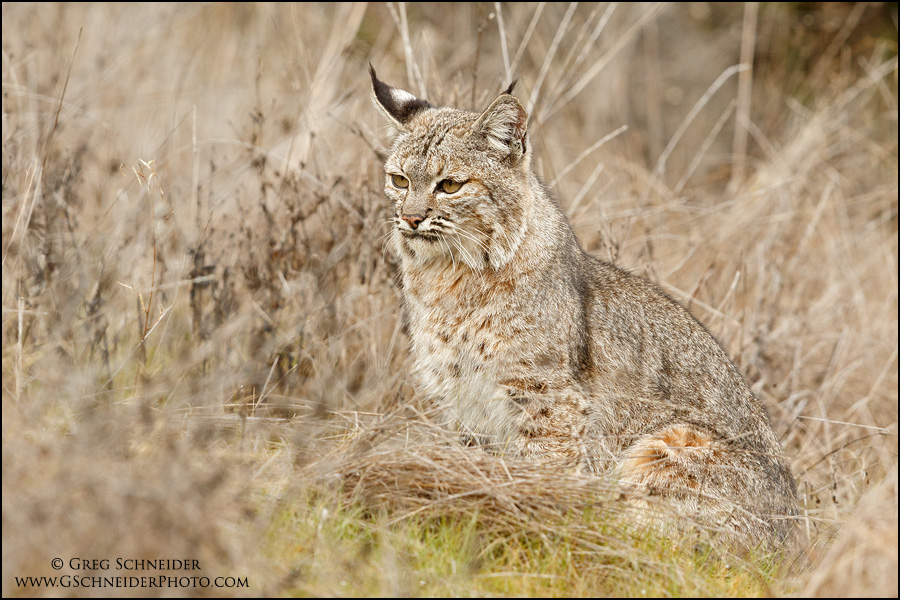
[[200, 317]]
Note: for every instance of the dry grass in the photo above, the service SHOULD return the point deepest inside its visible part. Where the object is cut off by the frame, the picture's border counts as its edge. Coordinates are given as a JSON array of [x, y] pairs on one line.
[[203, 352]]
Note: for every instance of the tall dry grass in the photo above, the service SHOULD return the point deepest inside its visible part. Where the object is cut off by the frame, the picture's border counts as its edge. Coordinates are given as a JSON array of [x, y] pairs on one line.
[[203, 351]]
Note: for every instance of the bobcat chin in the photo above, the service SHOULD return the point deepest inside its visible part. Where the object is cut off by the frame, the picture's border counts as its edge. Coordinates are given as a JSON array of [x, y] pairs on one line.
[[534, 348]]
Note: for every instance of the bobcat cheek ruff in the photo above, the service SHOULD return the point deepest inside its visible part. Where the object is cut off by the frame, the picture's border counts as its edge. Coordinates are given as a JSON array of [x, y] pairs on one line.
[[536, 349]]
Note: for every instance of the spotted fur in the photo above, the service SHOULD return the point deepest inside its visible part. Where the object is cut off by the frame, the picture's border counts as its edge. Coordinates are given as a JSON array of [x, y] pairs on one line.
[[534, 348]]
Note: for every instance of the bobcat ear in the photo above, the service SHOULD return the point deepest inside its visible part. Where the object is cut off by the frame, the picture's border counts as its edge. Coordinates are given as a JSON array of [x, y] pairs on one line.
[[504, 125], [397, 105]]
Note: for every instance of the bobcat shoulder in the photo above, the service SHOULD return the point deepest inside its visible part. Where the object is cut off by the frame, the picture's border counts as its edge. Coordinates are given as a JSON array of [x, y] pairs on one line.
[[533, 347]]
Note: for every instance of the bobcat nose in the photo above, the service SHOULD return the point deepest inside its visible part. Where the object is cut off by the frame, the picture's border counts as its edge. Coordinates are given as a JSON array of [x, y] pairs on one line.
[[413, 220]]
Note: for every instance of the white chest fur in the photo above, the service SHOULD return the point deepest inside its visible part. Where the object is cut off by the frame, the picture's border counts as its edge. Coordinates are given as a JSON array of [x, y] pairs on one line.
[[462, 344]]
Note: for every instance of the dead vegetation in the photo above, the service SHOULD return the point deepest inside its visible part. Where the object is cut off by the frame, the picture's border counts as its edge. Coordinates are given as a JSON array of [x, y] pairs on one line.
[[203, 350]]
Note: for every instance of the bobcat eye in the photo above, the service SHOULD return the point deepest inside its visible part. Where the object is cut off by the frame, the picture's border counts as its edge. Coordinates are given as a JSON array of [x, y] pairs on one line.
[[400, 181], [449, 187]]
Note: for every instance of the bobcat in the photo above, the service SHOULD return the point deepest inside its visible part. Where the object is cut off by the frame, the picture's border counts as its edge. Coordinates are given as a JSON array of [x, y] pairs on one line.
[[534, 348]]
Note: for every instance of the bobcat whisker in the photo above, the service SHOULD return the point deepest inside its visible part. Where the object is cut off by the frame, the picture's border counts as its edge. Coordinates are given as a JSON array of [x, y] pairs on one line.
[[502, 232], [446, 244], [463, 233], [468, 259]]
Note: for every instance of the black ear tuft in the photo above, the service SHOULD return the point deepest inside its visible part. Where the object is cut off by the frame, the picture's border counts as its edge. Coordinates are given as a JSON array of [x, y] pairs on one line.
[[398, 105], [509, 90]]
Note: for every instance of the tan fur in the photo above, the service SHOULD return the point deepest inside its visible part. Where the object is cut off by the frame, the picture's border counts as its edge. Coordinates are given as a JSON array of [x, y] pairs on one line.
[[534, 348]]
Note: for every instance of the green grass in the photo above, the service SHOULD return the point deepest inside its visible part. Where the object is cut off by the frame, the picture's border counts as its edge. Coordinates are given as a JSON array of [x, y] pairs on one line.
[[355, 552]]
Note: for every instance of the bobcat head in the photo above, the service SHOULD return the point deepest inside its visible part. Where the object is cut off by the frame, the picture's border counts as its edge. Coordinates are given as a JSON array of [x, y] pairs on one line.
[[461, 182]]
